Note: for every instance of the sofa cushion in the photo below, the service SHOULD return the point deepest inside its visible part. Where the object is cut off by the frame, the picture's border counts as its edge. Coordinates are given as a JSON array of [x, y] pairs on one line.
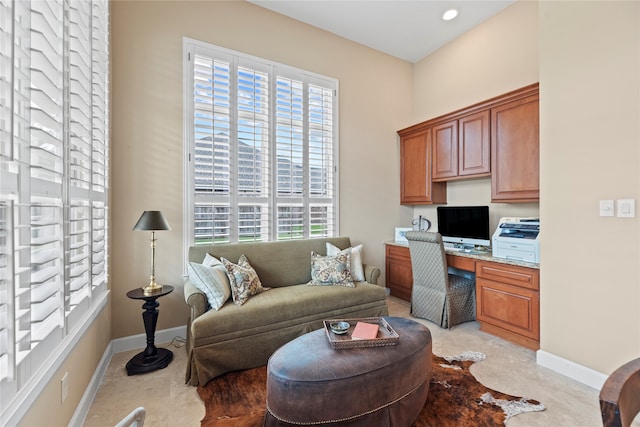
[[284, 307], [331, 270], [357, 271], [211, 281], [243, 279]]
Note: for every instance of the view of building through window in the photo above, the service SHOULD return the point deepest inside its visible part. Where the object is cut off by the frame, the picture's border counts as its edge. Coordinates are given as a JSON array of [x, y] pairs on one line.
[[263, 149]]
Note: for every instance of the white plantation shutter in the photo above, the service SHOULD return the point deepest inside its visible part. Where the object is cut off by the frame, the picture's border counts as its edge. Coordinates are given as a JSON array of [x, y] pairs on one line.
[[262, 149], [53, 165], [7, 356], [40, 293], [252, 157], [322, 179]]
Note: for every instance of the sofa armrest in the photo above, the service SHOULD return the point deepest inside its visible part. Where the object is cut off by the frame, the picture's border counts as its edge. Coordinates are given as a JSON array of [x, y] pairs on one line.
[[371, 273], [195, 299]]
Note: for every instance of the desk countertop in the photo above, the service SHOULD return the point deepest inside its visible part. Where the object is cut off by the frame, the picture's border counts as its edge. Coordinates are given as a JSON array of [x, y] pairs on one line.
[[481, 256]]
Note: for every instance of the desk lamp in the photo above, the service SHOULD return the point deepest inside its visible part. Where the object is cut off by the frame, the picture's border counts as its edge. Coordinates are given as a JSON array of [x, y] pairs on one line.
[[152, 221]]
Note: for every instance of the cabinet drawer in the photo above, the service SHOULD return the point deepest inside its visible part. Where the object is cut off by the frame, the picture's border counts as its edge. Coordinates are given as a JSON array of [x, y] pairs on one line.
[[509, 307], [400, 252], [511, 274], [462, 263]]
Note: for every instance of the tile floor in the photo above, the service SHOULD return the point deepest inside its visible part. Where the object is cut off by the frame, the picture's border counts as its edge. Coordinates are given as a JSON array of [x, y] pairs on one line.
[[508, 368]]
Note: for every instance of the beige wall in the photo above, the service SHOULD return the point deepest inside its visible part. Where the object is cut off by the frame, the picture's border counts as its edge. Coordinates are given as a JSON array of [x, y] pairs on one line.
[[496, 57], [590, 139], [147, 150], [48, 409]]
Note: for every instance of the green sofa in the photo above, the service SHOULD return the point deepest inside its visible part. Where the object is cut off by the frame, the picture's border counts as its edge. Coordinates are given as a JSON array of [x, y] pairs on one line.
[[242, 337]]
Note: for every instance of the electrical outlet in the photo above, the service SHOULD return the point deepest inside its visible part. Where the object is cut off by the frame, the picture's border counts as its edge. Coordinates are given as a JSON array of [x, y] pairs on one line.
[[626, 208], [64, 382]]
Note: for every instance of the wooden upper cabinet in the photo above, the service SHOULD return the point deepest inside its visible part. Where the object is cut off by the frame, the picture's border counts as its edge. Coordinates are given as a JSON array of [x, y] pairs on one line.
[[474, 145], [498, 137], [416, 186], [461, 148], [445, 150], [515, 152]]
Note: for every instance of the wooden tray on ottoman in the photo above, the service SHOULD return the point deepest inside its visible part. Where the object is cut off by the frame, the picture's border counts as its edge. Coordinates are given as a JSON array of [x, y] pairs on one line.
[[386, 334]]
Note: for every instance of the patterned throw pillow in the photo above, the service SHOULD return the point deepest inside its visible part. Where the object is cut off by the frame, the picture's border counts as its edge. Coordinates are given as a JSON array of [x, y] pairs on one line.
[[244, 280], [357, 271], [212, 282], [331, 270]]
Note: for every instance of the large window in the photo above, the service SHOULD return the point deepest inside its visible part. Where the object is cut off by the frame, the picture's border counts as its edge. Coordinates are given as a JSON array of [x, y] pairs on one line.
[[53, 185], [261, 147]]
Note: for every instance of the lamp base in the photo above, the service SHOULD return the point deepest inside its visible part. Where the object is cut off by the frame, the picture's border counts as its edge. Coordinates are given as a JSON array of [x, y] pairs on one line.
[[141, 364], [151, 288]]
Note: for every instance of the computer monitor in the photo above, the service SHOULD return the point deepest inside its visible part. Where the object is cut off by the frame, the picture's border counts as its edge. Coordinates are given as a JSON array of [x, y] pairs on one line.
[[464, 226]]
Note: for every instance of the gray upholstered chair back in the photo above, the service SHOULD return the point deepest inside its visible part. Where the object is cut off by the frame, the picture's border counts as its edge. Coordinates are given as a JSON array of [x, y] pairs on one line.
[[428, 258], [444, 299], [429, 265]]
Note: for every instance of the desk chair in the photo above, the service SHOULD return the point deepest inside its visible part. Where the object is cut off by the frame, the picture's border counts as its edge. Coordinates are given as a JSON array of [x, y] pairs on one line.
[[443, 298], [620, 396]]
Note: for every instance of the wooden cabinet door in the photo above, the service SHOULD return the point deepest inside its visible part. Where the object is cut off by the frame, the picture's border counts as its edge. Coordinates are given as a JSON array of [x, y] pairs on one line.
[[513, 309], [474, 145], [415, 171], [399, 274], [515, 152], [445, 150], [508, 302]]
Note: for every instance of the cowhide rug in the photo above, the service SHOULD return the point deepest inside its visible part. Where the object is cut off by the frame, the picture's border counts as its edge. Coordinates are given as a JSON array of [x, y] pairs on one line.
[[455, 398]]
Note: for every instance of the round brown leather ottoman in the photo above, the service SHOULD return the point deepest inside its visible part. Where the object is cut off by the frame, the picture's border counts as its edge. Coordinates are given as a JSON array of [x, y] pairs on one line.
[[310, 383]]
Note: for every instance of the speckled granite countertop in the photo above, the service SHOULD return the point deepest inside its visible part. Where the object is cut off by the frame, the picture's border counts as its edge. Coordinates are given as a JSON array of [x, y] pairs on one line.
[[482, 256]]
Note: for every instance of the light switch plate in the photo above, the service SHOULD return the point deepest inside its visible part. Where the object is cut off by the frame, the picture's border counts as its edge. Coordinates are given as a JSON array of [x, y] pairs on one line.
[[626, 208], [606, 207]]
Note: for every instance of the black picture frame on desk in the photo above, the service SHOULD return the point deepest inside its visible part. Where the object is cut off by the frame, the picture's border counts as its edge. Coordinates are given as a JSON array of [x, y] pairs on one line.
[[152, 358]]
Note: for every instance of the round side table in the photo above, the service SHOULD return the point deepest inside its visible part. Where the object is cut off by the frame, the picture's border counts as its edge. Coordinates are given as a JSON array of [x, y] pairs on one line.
[[151, 358]]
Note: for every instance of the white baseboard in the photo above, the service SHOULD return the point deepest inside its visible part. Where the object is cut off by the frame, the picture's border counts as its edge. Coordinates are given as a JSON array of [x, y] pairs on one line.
[[140, 340], [82, 409], [582, 374], [117, 346]]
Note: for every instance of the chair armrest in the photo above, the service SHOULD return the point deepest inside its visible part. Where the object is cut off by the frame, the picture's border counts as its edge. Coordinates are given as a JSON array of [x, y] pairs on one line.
[[371, 273], [619, 402], [195, 299]]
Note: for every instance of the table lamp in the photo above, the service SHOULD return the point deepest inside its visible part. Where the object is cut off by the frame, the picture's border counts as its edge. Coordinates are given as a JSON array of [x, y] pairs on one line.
[[152, 221]]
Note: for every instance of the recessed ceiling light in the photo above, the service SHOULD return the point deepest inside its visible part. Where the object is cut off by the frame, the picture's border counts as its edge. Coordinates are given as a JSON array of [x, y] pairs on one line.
[[450, 14]]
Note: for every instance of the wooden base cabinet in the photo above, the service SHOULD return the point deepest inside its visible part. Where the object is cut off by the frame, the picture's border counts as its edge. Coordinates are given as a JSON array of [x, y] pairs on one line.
[[507, 296], [399, 275], [508, 302]]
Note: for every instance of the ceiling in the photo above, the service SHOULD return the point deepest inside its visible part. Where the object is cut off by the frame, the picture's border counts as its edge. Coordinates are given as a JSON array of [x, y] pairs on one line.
[[406, 29]]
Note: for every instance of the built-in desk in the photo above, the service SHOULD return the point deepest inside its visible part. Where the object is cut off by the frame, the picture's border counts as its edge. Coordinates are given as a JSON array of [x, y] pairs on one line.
[[507, 291]]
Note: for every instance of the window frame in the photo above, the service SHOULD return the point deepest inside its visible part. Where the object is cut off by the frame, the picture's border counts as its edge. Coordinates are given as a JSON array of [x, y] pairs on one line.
[[54, 192], [275, 71]]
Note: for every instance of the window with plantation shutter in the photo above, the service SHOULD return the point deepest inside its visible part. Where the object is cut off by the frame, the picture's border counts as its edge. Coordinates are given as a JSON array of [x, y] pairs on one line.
[[261, 147], [53, 186]]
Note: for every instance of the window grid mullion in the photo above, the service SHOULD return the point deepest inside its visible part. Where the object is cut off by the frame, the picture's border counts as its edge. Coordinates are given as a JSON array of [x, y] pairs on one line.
[[234, 209]]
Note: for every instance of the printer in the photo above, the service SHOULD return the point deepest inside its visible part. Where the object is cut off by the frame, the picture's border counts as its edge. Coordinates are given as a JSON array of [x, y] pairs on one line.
[[517, 239]]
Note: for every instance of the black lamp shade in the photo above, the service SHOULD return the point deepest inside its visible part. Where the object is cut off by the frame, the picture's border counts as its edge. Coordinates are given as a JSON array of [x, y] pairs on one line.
[[151, 221]]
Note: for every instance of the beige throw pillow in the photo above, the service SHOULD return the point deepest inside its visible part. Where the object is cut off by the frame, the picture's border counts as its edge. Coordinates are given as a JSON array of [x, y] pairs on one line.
[[357, 270], [208, 280]]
